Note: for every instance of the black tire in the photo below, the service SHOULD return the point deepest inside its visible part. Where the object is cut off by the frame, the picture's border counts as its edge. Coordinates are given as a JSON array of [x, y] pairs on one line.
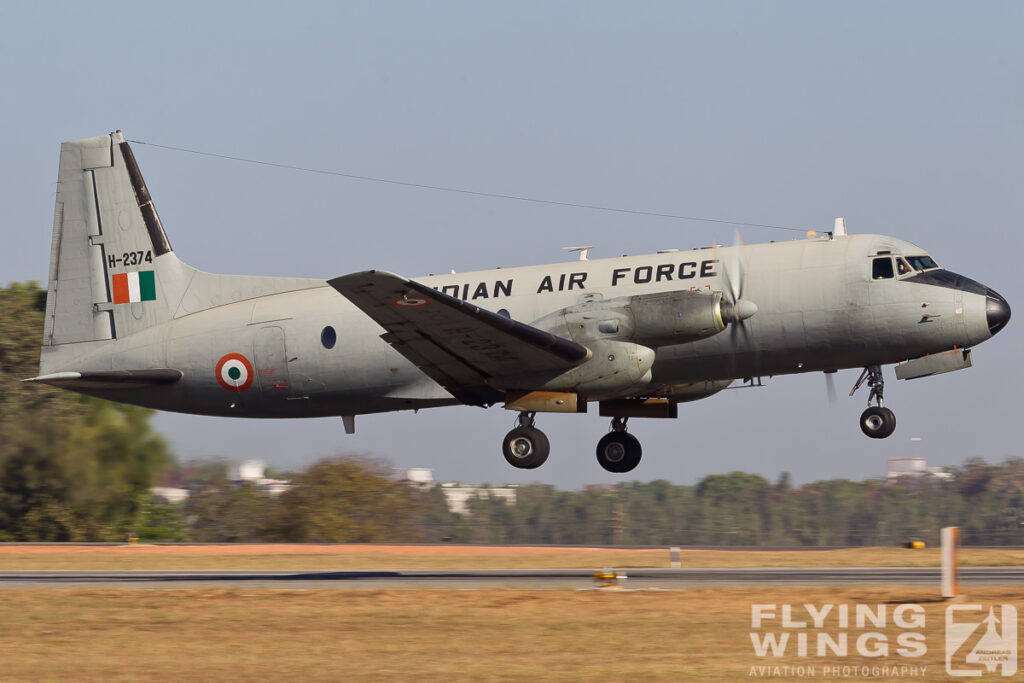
[[526, 448], [878, 423], [890, 418], [619, 452]]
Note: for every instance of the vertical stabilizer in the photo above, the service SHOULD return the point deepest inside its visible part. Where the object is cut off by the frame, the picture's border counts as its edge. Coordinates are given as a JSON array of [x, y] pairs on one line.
[[112, 270]]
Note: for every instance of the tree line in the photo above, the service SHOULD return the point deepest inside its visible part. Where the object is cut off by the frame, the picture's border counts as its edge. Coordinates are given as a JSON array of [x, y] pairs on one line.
[[354, 499], [742, 509], [80, 469]]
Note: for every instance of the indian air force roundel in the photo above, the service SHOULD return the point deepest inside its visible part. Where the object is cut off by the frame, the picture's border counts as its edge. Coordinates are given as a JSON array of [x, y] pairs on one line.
[[234, 372]]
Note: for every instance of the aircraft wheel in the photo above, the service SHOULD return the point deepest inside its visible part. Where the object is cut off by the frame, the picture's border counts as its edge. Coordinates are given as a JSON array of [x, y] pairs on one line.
[[619, 452], [526, 447], [878, 422]]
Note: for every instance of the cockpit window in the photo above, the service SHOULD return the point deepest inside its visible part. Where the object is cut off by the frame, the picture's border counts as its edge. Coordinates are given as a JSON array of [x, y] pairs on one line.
[[922, 262], [881, 268], [901, 267]]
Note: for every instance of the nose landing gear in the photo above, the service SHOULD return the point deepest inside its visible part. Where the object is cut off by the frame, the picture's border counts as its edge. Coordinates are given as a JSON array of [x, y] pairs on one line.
[[619, 451], [877, 422]]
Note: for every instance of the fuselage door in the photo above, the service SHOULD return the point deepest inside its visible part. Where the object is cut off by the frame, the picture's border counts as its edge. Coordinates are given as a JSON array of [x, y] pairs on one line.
[[272, 362], [958, 310]]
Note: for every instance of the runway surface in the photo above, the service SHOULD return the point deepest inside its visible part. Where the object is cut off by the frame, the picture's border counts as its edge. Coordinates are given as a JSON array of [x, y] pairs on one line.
[[508, 578]]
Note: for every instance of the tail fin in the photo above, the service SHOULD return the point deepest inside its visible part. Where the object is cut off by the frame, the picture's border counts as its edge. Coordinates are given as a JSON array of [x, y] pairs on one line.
[[112, 270]]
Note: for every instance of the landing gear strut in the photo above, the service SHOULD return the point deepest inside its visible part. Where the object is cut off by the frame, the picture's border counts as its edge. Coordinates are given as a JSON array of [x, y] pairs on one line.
[[619, 451], [526, 447], [877, 421]]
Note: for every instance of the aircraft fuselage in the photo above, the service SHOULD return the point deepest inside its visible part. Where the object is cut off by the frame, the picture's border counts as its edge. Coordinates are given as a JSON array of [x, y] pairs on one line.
[[818, 309], [127, 320]]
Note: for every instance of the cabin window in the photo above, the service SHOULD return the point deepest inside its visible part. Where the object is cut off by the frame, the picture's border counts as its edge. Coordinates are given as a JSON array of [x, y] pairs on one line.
[[328, 337], [503, 312], [902, 267], [881, 269], [922, 262]]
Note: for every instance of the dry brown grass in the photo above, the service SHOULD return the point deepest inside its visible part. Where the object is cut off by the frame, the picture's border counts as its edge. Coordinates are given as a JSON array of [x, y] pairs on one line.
[[324, 635], [349, 557]]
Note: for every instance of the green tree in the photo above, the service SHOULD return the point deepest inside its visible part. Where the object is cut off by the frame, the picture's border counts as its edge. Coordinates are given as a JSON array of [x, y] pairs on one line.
[[162, 521], [71, 468], [730, 507], [347, 499], [224, 512]]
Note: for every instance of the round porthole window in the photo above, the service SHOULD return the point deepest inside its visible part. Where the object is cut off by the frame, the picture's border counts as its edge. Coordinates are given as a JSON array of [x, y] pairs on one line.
[[328, 337]]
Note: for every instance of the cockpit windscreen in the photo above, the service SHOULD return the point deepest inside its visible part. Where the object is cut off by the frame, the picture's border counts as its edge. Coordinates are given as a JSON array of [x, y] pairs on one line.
[[922, 262]]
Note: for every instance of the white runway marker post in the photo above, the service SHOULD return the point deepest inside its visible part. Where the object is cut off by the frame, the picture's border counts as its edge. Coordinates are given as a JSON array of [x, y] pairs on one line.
[[950, 561], [673, 557]]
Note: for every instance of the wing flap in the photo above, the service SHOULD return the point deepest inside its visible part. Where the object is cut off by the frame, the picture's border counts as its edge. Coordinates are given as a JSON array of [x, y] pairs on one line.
[[455, 343]]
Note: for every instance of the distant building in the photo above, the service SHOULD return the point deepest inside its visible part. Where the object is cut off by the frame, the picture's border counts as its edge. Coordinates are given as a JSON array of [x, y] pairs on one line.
[[421, 477], [253, 472], [456, 495], [247, 471], [913, 467], [171, 494]]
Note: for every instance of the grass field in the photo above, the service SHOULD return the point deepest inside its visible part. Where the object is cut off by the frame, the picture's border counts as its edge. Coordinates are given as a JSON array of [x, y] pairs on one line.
[[346, 557], [425, 635]]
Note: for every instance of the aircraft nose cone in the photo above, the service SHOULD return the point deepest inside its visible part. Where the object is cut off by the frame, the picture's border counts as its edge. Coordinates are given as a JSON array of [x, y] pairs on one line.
[[997, 311]]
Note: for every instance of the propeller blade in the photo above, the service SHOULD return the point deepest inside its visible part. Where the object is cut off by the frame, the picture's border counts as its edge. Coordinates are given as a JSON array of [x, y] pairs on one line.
[[733, 334], [734, 308], [737, 268], [727, 288]]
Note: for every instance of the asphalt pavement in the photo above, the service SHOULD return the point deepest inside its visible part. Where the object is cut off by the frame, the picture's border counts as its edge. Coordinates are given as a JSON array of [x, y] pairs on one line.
[[636, 578]]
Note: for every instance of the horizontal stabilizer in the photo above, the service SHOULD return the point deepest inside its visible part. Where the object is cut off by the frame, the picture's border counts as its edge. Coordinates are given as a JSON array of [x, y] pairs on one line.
[[457, 344], [110, 379]]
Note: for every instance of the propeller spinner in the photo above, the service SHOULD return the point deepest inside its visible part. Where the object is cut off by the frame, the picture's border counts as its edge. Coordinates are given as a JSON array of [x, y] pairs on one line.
[[735, 308]]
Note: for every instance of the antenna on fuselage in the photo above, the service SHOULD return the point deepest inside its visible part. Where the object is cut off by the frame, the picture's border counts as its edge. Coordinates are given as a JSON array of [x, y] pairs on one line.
[[584, 251], [839, 230]]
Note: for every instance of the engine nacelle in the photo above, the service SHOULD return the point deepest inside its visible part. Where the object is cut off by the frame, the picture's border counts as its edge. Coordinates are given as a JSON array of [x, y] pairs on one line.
[[660, 319], [683, 393], [621, 334], [615, 368]]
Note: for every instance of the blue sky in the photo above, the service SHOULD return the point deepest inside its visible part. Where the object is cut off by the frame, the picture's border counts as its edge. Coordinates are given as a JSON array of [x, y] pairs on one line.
[[906, 118]]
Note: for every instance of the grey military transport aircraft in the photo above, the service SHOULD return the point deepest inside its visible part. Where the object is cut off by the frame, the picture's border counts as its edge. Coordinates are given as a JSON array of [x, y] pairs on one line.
[[127, 321]]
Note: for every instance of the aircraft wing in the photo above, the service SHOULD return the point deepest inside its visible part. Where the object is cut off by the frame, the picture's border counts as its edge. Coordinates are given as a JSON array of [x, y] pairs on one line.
[[455, 343]]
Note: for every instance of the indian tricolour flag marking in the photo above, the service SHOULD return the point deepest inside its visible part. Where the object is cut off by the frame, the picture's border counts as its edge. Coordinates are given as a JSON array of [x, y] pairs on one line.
[[137, 286]]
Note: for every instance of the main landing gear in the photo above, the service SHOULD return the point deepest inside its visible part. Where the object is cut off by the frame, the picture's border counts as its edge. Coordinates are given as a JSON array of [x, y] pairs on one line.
[[526, 447], [619, 451], [877, 421]]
